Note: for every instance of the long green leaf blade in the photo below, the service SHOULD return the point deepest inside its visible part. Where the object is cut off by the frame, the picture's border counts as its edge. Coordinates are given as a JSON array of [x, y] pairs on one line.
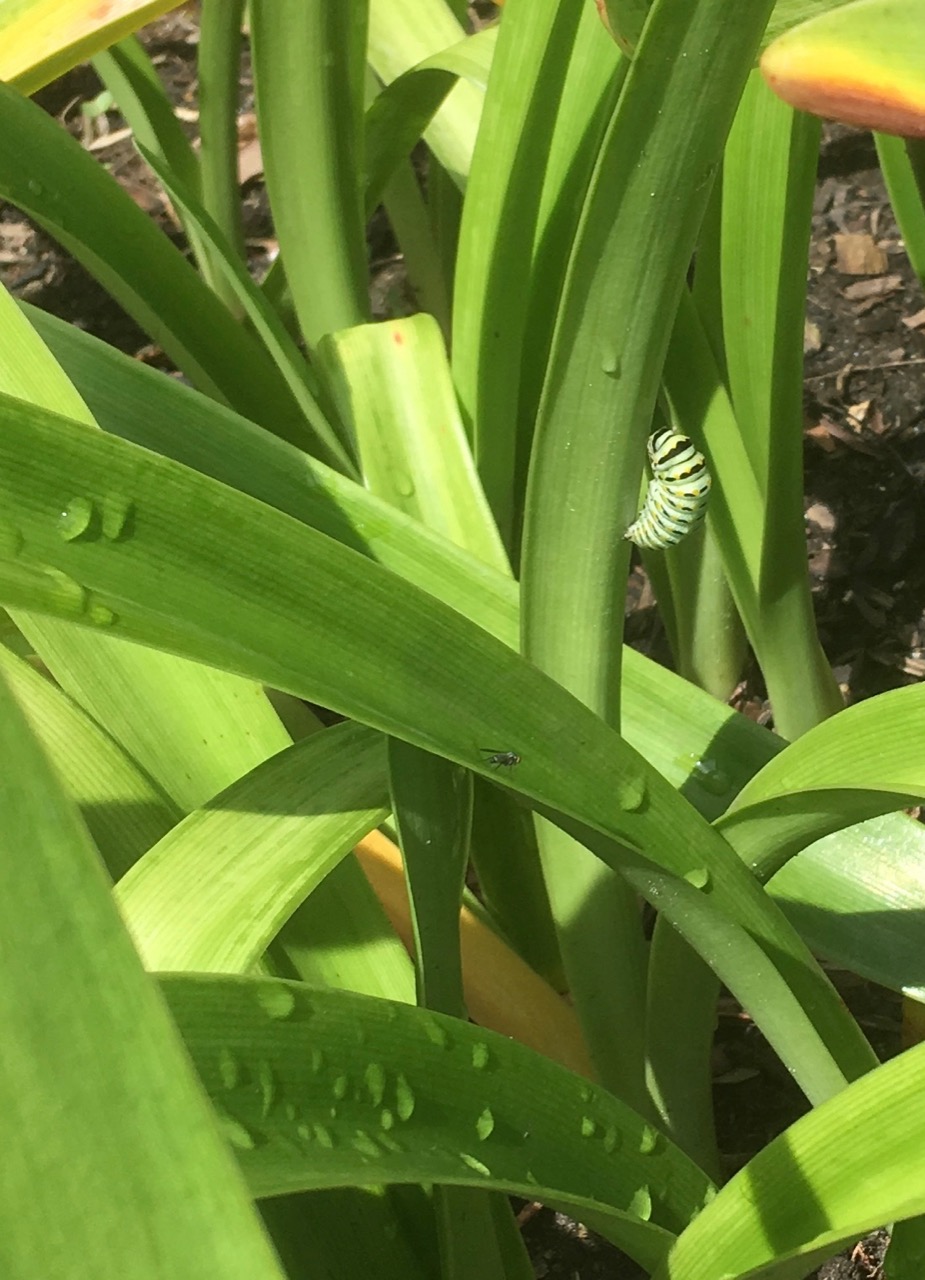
[[112, 1164]]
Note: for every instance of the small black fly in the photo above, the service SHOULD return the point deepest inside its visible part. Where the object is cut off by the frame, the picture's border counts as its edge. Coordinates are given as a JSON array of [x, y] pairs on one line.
[[501, 759]]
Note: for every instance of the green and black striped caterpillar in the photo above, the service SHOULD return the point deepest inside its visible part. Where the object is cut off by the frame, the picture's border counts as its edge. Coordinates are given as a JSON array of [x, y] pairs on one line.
[[676, 500]]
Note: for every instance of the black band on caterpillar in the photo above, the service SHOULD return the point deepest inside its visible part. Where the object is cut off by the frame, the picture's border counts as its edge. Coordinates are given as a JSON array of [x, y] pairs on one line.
[[676, 500]]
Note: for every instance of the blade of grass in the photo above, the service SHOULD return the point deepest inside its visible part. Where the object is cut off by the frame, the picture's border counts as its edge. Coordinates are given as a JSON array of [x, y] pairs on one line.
[[458, 1099], [392, 381], [394, 386], [127, 72], [48, 175], [157, 412], [216, 889], [193, 731], [308, 61], [768, 184], [496, 236], [593, 82], [218, 64], [124, 811], [905, 196], [432, 803], [502, 992], [403, 33], [93, 1075], [316, 431], [811, 1191], [400, 113], [649, 190]]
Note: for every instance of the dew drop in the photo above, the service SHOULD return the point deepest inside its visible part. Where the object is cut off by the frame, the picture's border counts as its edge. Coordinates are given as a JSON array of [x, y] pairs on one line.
[[480, 1056], [75, 519], [391, 1144], [267, 1086], [316, 1061], [611, 1139], [289, 1111], [532, 1178], [366, 1145], [375, 1082], [707, 774], [100, 615], [228, 1069], [471, 1162], [611, 364], [117, 513], [323, 1136], [485, 1124], [340, 1087], [404, 485], [435, 1033], [305, 1132], [631, 792], [235, 1132], [387, 1118], [585, 1093], [404, 1098], [648, 1141], [276, 1001], [699, 877], [588, 1127], [66, 593], [35, 186], [641, 1204], [10, 540]]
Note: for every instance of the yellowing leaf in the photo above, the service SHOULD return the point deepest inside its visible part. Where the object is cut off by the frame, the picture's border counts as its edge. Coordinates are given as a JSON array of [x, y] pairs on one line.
[[863, 64], [41, 39]]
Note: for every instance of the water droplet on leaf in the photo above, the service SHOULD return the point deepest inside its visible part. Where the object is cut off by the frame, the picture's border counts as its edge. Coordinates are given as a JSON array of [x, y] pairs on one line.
[[476, 1165], [480, 1056], [375, 1082], [641, 1204], [631, 792], [366, 1145], [235, 1132], [485, 1124], [276, 1001], [699, 877], [100, 615], [323, 1136], [228, 1069], [404, 1098], [66, 593], [116, 518], [267, 1085], [648, 1141], [75, 519]]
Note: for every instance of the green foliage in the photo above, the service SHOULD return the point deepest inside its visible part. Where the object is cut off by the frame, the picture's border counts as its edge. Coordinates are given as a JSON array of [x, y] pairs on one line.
[[423, 540]]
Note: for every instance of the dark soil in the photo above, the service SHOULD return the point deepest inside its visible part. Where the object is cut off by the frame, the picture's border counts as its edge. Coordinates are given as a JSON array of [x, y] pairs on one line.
[[865, 472]]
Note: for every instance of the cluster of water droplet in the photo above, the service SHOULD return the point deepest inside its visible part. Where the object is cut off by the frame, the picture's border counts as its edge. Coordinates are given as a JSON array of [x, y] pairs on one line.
[[390, 1097], [80, 518]]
